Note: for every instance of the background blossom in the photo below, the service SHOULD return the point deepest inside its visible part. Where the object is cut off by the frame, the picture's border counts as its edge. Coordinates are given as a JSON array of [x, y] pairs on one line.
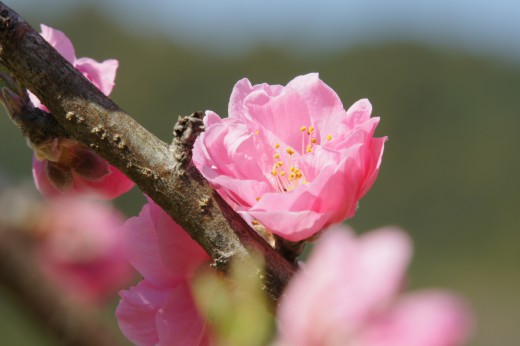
[[80, 249], [347, 294]]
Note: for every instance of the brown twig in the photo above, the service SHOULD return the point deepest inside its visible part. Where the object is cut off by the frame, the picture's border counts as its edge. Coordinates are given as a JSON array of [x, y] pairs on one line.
[[165, 173]]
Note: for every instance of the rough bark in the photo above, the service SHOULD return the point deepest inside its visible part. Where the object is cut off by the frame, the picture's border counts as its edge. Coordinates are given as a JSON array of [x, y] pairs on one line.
[[165, 173]]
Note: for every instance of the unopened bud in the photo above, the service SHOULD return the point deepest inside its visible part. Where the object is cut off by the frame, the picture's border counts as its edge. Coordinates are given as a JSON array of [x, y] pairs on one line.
[[13, 104]]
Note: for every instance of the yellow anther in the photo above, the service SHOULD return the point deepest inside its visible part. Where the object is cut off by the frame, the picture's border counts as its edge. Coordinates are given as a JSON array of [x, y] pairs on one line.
[[276, 146], [279, 163], [289, 151], [282, 173], [303, 128], [256, 132], [314, 140], [293, 169], [311, 130], [298, 175], [255, 222], [276, 156], [257, 199], [309, 148], [292, 176], [329, 137], [274, 172]]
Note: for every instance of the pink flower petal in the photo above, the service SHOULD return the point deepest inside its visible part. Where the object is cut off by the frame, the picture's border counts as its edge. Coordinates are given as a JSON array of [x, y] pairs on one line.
[[101, 74], [143, 251], [179, 252], [137, 312], [426, 318], [358, 113], [322, 102], [291, 225], [179, 321], [60, 42], [242, 89]]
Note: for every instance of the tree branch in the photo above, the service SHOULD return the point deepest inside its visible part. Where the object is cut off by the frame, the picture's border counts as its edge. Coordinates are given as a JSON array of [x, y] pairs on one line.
[[165, 173]]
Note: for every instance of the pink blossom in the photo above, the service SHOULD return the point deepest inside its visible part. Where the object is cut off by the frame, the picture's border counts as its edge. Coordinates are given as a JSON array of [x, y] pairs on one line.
[[291, 158], [101, 74], [80, 249], [64, 165], [161, 310], [347, 295]]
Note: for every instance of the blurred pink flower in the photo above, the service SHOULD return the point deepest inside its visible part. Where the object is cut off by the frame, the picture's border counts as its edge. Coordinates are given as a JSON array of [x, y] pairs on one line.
[[290, 158], [347, 295], [64, 165], [161, 310], [80, 249]]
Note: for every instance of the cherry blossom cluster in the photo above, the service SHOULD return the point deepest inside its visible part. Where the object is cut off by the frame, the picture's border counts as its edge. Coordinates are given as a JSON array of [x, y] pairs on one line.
[[294, 163]]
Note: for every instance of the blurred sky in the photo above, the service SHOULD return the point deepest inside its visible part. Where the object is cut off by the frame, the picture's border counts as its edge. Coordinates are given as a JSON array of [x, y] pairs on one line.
[[489, 27]]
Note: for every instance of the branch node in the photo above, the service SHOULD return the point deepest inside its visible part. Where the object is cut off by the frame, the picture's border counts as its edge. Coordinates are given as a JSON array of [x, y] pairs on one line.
[[204, 203], [222, 261], [5, 20], [119, 142], [97, 129], [70, 116], [185, 132]]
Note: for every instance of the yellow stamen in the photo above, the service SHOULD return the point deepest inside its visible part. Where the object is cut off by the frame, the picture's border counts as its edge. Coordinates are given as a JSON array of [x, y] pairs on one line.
[[256, 132], [257, 199], [311, 130], [276, 146], [255, 222], [309, 149], [274, 172], [276, 156], [282, 173], [329, 137], [289, 150], [303, 128], [314, 140], [279, 163]]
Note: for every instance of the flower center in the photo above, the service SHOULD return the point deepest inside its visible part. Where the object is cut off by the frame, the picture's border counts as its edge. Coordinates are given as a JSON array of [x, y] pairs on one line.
[[286, 175]]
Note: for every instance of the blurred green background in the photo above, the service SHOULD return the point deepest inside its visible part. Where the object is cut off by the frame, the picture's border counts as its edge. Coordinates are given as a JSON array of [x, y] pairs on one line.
[[450, 169]]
